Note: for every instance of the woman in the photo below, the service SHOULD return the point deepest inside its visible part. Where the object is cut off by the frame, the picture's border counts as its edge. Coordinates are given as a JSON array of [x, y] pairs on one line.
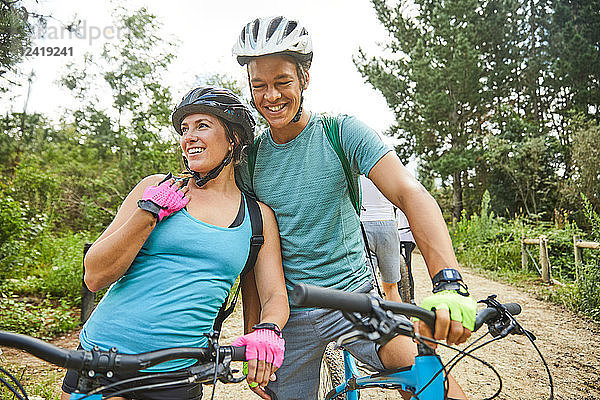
[[177, 245]]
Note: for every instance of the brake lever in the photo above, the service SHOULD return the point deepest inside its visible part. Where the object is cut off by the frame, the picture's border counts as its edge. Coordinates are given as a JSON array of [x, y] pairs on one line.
[[382, 326], [205, 373], [505, 323]]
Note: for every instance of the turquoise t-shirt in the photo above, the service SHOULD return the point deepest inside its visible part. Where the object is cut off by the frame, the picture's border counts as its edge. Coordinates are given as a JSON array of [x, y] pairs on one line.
[[172, 292], [304, 183]]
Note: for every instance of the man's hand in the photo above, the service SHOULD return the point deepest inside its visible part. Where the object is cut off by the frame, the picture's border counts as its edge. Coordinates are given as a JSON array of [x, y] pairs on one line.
[[455, 316]]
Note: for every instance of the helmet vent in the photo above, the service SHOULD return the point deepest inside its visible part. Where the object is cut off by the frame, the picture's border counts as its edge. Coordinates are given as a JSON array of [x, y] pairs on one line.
[[273, 27], [290, 27], [255, 27], [243, 36]]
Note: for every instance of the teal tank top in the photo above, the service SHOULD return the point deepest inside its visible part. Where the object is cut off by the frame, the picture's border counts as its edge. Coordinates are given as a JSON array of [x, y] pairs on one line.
[[172, 292]]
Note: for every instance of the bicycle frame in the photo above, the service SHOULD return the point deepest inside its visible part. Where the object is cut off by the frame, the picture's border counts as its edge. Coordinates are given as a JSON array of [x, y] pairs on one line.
[[416, 379]]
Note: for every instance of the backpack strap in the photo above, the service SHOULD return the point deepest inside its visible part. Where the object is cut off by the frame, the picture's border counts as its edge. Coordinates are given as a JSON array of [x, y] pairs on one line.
[[256, 241], [332, 131], [252, 151]]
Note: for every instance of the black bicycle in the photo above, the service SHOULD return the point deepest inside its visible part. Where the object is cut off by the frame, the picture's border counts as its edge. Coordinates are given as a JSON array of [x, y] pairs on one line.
[[214, 363]]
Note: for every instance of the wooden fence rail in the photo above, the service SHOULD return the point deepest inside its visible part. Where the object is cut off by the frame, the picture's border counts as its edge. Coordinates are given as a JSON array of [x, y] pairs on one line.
[[544, 268], [578, 246]]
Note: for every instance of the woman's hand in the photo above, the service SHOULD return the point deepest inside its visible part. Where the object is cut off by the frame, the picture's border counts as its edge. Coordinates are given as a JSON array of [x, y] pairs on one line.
[[264, 353], [168, 196]]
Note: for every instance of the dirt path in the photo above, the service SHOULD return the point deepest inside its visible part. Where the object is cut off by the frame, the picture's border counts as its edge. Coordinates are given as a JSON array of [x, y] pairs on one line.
[[568, 344]]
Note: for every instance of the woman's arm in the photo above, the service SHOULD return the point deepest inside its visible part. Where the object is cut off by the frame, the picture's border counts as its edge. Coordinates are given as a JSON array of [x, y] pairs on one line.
[[265, 300], [250, 302], [268, 274], [113, 252]]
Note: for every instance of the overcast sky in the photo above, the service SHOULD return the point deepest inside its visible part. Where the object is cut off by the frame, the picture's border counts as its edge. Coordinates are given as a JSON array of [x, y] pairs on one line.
[[206, 31]]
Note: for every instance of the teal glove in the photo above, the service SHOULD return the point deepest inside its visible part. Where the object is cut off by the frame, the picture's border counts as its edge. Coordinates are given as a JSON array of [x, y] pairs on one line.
[[461, 308], [245, 372]]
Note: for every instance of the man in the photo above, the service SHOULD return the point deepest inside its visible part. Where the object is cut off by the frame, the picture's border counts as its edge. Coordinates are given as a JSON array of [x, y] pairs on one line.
[[297, 173]]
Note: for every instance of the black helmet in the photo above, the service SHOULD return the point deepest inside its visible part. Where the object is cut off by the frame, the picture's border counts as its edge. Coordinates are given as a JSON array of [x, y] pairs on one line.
[[224, 104], [216, 101]]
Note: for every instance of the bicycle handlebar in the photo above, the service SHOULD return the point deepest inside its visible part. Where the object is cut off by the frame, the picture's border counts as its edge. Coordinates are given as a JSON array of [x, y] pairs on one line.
[[315, 296], [103, 361]]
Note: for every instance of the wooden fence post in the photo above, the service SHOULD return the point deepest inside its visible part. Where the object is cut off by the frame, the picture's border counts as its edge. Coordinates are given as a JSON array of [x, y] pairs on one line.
[[523, 254], [544, 261], [87, 296], [578, 252]]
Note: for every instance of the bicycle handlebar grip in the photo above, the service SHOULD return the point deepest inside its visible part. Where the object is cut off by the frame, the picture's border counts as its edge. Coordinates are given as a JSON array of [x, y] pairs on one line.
[[238, 353], [490, 313], [513, 308], [315, 296]]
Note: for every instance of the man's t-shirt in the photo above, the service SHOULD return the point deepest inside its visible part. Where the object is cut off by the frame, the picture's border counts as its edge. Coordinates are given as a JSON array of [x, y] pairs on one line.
[[304, 183]]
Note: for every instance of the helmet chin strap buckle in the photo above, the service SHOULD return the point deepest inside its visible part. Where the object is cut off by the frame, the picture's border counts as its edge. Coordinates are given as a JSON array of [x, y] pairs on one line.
[[212, 174]]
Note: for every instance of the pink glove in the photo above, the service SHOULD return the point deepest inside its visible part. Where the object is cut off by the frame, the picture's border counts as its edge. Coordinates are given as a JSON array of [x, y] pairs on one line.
[[167, 197], [263, 344]]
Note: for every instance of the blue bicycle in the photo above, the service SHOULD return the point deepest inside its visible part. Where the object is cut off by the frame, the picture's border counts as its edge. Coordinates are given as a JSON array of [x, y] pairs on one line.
[[427, 378]]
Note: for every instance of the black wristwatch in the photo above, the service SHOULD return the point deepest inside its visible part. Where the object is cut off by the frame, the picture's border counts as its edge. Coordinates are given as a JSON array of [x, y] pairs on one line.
[[449, 279], [150, 206], [268, 325]]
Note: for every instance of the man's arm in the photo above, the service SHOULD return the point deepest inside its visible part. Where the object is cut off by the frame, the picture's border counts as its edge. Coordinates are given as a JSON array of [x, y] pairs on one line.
[[431, 235]]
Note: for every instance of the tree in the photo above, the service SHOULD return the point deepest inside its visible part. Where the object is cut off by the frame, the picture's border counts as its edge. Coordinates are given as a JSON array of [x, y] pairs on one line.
[[448, 68], [130, 137], [15, 32], [519, 164]]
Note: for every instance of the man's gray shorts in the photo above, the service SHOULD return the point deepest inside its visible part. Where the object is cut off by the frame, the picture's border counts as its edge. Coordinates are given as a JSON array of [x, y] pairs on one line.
[[385, 243], [306, 335]]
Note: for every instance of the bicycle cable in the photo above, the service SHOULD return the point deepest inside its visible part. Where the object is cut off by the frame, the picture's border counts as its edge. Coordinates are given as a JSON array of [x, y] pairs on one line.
[[136, 379], [11, 387], [423, 338], [147, 387], [518, 329], [216, 347]]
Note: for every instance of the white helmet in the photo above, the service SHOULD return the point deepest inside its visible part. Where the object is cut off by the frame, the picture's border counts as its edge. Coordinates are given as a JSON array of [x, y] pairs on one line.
[[273, 35]]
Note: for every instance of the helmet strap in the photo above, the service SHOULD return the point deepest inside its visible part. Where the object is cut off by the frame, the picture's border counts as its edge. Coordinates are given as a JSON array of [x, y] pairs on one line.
[[299, 113], [212, 174]]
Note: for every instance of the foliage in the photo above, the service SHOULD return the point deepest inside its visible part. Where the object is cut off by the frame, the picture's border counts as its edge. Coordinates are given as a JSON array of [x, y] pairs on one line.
[[484, 91], [15, 33], [72, 177], [492, 243], [17, 230], [517, 166], [586, 159], [446, 70], [43, 319]]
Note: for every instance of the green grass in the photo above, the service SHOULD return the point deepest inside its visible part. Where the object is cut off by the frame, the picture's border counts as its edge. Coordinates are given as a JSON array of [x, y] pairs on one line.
[[491, 245], [39, 384]]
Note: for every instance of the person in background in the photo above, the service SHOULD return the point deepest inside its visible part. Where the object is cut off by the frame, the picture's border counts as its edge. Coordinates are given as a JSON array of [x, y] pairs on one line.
[[377, 216], [407, 245]]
